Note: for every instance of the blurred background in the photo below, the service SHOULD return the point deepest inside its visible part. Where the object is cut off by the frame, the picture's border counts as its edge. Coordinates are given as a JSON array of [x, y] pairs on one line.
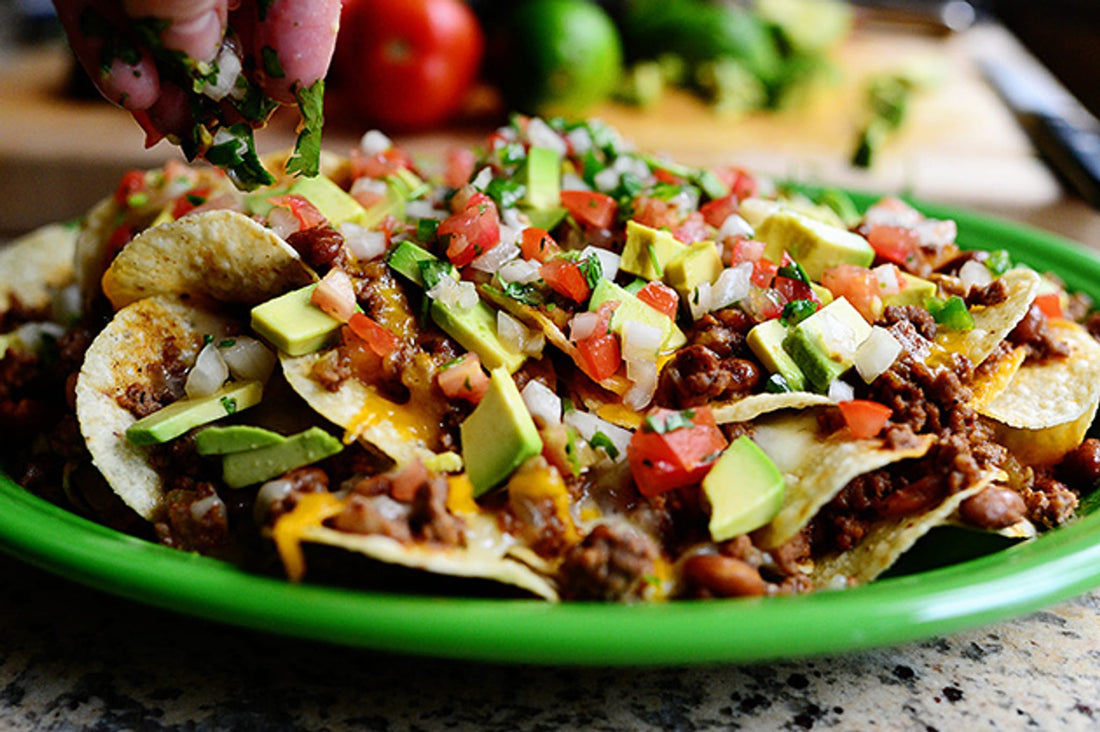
[[889, 95]]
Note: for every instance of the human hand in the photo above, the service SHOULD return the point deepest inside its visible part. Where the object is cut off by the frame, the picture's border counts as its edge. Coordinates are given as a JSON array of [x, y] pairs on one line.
[[188, 69]]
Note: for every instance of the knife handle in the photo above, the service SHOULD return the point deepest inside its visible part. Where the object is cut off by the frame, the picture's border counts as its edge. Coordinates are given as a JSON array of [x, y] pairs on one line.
[[1072, 151]]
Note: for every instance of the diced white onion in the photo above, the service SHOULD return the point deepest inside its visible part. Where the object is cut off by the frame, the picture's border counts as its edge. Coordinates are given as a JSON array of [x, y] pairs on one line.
[[633, 165], [368, 185], [937, 233], [877, 353], [543, 404], [687, 199], [424, 209], [365, 244], [887, 277], [509, 235], [573, 182], [483, 178], [609, 261], [607, 179], [513, 218], [540, 134], [580, 139], [587, 425], [248, 359], [453, 293], [735, 225], [643, 374], [641, 341], [583, 325], [517, 337], [519, 270], [893, 212], [841, 391], [837, 336], [208, 374], [699, 302], [496, 257], [732, 285], [281, 221], [374, 142], [228, 65], [974, 274]]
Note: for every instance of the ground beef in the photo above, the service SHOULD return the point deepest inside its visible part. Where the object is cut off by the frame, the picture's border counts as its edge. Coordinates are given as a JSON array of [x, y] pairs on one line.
[[331, 370], [1049, 502], [921, 320], [696, 375], [927, 399], [994, 293], [1032, 333], [723, 332], [429, 518], [610, 564], [717, 575], [376, 506], [196, 520], [382, 296]]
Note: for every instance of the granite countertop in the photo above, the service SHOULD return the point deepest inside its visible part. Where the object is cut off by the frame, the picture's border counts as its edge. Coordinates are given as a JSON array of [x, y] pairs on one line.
[[72, 658]]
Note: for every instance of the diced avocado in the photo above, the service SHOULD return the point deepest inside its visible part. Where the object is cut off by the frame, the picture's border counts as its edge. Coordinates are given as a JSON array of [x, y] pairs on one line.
[[476, 330], [334, 203], [824, 294], [766, 341], [293, 324], [700, 263], [631, 308], [234, 438], [648, 251], [546, 218], [185, 414], [756, 210], [824, 344], [543, 178], [914, 292], [744, 488], [499, 435], [405, 259], [264, 463], [813, 244]]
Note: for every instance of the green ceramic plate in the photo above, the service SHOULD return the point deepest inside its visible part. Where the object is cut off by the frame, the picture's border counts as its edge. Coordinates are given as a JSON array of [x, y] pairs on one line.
[[1057, 566]]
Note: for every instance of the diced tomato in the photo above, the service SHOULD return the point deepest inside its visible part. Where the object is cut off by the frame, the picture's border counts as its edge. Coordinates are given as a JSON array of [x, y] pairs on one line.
[[467, 196], [741, 183], [763, 272], [864, 418], [655, 213], [133, 181], [599, 355], [666, 176], [590, 208], [472, 231], [306, 213], [379, 165], [189, 201], [791, 289], [566, 279], [678, 453], [464, 379], [460, 166], [894, 243], [858, 285], [1050, 304], [380, 340], [692, 229], [717, 211], [660, 297], [746, 250], [119, 238], [537, 244]]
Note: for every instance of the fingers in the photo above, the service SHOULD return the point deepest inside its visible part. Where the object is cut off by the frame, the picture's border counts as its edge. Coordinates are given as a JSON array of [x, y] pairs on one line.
[[291, 40], [124, 73], [195, 27]]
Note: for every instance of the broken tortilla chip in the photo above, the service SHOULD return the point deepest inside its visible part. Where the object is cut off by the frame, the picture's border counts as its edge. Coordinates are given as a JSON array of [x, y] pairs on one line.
[[992, 323], [36, 266]]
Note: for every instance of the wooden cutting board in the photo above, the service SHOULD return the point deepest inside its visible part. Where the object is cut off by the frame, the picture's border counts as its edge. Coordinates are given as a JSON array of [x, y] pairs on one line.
[[960, 144]]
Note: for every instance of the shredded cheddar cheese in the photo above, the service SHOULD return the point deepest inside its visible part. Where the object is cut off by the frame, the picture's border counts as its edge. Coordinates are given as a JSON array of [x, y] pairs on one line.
[[310, 511]]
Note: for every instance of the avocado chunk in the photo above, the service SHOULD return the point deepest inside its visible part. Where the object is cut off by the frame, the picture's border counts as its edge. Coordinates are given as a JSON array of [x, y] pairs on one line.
[[406, 259], [824, 344], [185, 414], [815, 245], [631, 308], [914, 291], [334, 203], [543, 178], [499, 435], [648, 251], [293, 324], [700, 263], [766, 342], [248, 467], [744, 488], [234, 438]]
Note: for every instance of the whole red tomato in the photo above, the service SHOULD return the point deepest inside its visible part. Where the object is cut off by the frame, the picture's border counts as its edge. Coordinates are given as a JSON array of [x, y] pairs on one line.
[[407, 63]]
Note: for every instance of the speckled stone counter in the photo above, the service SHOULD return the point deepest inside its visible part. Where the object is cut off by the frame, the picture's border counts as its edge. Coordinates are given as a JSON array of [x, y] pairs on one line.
[[74, 659]]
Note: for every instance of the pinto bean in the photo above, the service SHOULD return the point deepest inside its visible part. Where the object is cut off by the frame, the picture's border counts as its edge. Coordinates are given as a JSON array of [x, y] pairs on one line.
[[993, 508], [1080, 468], [716, 575], [320, 246]]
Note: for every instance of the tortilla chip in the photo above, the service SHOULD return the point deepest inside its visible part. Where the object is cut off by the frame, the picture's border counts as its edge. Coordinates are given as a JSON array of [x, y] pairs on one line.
[[985, 389], [472, 562], [992, 323], [126, 353], [757, 405], [403, 432], [220, 255], [887, 541], [35, 266], [816, 469]]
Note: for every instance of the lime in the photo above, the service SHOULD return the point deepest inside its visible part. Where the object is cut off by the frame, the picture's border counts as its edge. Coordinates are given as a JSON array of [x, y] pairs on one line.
[[562, 56]]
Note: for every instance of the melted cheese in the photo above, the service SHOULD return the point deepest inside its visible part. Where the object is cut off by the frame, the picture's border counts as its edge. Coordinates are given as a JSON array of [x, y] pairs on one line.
[[410, 422], [310, 511]]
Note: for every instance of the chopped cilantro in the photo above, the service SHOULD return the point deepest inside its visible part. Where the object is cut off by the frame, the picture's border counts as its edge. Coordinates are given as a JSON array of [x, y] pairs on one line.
[[426, 229], [227, 343], [506, 192], [599, 439], [306, 159], [793, 271], [523, 292], [674, 421], [776, 384], [592, 269], [273, 67], [229, 404], [796, 311], [432, 271], [237, 156]]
